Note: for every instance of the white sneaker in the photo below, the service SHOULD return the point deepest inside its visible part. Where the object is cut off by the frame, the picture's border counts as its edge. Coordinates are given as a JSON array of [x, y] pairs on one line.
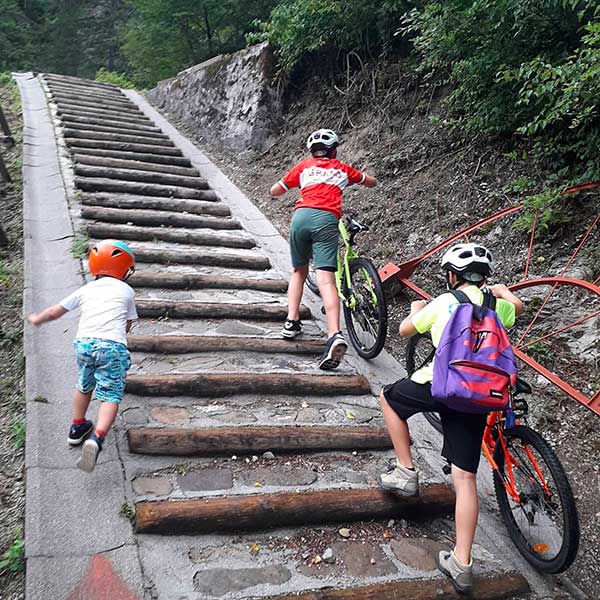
[[401, 480], [335, 348]]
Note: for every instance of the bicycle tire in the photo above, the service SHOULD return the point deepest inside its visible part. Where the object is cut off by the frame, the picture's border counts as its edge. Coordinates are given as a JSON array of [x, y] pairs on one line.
[[311, 279], [379, 312], [417, 343], [570, 521]]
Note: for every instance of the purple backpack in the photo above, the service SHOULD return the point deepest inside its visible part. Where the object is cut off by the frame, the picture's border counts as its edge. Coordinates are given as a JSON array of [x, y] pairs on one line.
[[474, 366]]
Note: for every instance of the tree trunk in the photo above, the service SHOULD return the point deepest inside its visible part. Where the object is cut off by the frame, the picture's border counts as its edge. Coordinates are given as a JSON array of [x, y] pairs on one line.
[[225, 441], [157, 217], [177, 236], [153, 177], [117, 119], [93, 108], [73, 90], [181, 161], [94, 101], [116, 163], [97, 113], [211, 257], [196, 207], [207, 310], [69, 121], [192, 344], [287, 509], [80, 82], [193, 281]]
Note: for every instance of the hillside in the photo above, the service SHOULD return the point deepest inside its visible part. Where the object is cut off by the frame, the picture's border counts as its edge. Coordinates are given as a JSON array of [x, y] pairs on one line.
[[433, 182]]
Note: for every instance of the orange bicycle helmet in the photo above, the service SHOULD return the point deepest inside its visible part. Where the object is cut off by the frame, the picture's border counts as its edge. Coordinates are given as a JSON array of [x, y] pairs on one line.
[[113, 258]]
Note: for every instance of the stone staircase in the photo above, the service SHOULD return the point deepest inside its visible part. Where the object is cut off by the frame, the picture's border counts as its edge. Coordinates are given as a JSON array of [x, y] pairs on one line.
[[240, 454]]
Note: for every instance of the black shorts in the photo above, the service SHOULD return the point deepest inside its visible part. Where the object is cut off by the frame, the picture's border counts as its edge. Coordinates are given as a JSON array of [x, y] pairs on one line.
[[463, 432]]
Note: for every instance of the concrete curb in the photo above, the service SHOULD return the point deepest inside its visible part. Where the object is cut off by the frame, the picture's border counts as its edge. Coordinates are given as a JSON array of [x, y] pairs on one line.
[[70, 518]]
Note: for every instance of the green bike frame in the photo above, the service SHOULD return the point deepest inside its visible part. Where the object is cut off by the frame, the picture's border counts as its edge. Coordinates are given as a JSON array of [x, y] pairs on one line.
[[343, 280]]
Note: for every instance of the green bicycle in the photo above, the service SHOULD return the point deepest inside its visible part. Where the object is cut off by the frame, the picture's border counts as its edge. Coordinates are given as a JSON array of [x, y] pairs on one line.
[[361, 293]]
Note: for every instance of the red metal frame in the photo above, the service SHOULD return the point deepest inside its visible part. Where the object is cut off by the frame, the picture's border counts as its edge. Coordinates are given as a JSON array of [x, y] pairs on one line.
[[401, 274]]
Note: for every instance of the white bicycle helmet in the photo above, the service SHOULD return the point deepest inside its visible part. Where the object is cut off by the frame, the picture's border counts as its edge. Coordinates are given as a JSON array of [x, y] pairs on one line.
[[471, 262], [325, 138]]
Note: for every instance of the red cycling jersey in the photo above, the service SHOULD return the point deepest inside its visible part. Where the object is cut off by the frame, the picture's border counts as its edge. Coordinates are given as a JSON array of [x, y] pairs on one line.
[[321, 182]]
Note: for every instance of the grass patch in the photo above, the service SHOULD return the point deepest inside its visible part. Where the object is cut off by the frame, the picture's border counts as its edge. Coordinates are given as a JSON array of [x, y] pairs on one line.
[[19, 431], [13, 560], [128, 511], [80, 246]]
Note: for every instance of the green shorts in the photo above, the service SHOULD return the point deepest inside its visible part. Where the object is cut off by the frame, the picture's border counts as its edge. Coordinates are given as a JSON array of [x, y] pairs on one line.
[[314, 232]]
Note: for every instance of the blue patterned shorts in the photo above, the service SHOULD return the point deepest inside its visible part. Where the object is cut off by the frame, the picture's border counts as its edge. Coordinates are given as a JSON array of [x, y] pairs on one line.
[[103, 365]]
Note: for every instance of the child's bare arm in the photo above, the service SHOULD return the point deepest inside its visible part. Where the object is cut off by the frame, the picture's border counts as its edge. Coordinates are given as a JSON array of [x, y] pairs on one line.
[[407, 329], [49, 314], [369, 181], [501, 291], [278, 190]]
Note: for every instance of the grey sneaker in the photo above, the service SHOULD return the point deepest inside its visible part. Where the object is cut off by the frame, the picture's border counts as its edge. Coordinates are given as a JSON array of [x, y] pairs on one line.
[[461, 575], [400, 480], [89, 454], [335, 348]]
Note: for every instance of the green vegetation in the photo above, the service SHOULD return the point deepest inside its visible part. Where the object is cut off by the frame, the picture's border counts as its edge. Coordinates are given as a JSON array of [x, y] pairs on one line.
[[128, 511], [119, 79], [13, 560], [80, 246], [18, 431]]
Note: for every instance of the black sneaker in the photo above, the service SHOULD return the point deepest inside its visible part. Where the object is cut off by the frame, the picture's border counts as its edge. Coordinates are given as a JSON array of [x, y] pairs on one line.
[[89, 454], [78, 433], [291, 329], [334, 352]]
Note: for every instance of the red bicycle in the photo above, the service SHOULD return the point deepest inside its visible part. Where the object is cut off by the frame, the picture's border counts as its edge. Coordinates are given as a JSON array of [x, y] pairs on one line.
[[532, 489]]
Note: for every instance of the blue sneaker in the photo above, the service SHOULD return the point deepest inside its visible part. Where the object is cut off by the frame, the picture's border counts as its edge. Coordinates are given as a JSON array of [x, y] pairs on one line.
[[89, 453], [78, 433]]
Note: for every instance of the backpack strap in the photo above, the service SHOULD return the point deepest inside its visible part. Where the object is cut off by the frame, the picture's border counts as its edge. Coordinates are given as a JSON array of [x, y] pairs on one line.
[[461, 296], [489, 301]]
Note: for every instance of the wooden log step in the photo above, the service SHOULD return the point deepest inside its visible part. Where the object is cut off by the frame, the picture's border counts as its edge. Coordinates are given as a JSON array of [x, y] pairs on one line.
[[74, 90], [211, 257], [97, 110], [76, 143], [488, 587], [71, 120], [192, 344], [287, 509], [87, 114], [118, 163], [138, 175], [197, 281], [116, 137], [178, 236], [99, 114], [209, 310], [158, 218], [126, 108], [85, 83], [103, 103], [196, 207], [180, 161], [225, 441], [219, 385], [153, 135]]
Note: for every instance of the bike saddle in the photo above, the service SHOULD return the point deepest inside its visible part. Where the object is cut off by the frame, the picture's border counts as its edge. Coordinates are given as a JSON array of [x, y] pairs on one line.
[[355, 226], [522, 387]]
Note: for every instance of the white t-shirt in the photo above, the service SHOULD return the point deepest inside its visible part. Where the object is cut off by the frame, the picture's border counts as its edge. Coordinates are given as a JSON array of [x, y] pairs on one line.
[[106, 306]]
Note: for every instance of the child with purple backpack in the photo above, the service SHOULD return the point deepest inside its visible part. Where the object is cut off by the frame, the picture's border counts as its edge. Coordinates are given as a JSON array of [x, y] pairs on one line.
[[467, 268]]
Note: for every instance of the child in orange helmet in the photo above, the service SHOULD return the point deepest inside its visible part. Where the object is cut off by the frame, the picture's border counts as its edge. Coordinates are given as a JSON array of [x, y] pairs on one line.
[[107, 314]]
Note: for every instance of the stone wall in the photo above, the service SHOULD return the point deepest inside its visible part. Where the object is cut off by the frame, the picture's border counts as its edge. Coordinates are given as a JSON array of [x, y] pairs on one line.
[[228, 100]]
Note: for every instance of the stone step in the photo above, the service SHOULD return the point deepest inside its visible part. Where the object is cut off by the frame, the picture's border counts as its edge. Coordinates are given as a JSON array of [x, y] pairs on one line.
[[210, 205], [197, 281], [158, 218], [225, 441], [287, 509], [205, 310], [215, 385]]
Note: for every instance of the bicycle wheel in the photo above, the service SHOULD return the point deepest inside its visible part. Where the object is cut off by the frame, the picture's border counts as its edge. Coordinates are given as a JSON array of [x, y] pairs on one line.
[[311, 279], [419, 352], [366, 319], [544, 525]]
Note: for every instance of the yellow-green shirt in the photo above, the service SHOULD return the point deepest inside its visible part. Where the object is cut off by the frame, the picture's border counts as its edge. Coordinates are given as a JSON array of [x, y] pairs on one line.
[[434, 316]]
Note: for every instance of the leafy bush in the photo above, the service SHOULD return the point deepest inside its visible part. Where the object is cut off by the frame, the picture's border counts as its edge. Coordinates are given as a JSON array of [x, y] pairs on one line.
[[119, 79], [13, 560]]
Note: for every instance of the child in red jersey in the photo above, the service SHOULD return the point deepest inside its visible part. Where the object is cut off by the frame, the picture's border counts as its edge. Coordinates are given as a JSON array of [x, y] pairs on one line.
[[314, 232]]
